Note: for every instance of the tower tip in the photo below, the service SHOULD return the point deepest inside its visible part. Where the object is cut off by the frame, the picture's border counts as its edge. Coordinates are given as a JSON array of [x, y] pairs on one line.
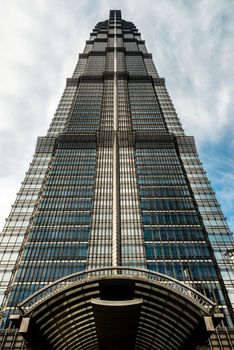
[[115, 14]]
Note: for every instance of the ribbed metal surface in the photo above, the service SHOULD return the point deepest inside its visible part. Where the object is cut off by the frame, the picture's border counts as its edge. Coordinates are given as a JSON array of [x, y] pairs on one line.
[[78, 314]]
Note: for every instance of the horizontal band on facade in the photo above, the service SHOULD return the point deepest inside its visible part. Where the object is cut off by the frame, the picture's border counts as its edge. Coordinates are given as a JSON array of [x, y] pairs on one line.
[[110, 75], [119, 49], [125, 138]]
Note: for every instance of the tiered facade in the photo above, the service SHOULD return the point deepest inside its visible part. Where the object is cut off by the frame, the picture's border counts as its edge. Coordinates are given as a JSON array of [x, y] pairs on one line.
[[116, 182]]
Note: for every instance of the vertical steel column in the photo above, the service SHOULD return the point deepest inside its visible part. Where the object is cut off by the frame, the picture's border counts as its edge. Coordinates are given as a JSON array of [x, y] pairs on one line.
[[116, 234]]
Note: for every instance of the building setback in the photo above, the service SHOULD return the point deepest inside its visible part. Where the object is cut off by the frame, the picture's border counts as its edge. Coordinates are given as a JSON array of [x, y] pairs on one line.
[[116, 240]]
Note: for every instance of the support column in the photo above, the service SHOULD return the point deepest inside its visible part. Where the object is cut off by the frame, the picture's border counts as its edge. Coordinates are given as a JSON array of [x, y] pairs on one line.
[[116, 234]]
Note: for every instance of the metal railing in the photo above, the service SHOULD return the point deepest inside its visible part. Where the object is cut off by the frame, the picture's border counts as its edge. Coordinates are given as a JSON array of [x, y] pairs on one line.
[[115, 272]]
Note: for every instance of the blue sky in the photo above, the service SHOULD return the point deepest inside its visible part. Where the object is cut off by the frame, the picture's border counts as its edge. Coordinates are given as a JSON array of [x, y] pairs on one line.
[[192, 47]]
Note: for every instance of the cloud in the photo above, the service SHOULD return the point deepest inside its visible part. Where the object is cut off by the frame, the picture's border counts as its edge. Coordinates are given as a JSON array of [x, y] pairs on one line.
[[191, 42]]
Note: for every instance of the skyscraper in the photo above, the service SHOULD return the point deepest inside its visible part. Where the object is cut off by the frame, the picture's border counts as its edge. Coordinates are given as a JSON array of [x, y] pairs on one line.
[[116, 239]]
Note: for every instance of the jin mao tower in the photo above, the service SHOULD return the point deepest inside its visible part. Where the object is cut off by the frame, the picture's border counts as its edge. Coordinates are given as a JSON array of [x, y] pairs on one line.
[[116, 239]]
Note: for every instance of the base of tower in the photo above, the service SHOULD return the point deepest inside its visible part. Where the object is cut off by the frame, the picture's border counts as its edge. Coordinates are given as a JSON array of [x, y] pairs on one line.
[[116, 309]]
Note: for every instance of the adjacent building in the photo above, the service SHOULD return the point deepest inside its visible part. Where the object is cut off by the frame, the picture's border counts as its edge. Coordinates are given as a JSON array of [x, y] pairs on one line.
[[116, 239]]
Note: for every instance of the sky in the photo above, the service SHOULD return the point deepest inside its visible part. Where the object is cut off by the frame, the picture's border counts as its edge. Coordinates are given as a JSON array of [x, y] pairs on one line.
[[192, 47]]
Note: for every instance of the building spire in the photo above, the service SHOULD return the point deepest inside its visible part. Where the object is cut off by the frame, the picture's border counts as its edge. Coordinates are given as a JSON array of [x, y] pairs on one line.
[[115, 14]]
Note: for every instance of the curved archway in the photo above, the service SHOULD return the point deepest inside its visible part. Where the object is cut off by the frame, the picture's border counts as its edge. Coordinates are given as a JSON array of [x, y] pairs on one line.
[[117, 308]]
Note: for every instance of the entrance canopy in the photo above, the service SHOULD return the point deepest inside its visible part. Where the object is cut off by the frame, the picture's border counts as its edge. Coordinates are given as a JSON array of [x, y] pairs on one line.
[[117, 308]]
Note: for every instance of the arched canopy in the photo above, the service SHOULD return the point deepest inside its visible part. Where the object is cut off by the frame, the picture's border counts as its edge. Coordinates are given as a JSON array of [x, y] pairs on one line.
[[117, 308]]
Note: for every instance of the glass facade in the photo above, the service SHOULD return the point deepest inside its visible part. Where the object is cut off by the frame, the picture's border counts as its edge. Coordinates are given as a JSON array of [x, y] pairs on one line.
[[116, 182]]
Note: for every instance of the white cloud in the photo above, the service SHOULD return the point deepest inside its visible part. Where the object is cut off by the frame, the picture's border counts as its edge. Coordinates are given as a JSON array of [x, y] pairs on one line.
[[192, 46]]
